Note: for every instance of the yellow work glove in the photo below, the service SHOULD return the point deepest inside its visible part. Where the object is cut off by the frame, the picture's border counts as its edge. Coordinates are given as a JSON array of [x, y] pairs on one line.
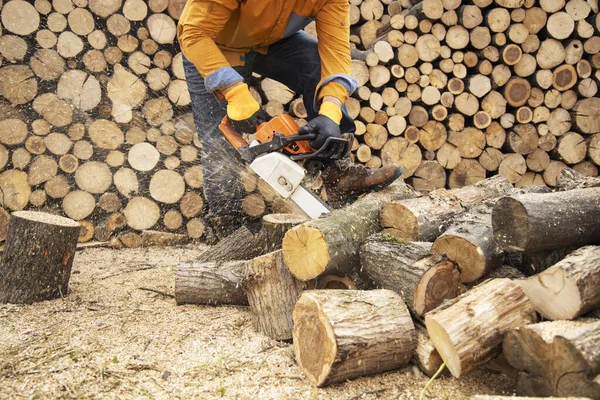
[[240, 103]]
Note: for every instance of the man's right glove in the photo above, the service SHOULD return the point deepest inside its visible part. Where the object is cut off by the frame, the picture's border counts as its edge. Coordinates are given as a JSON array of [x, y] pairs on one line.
[[243, 110], [325, 125]]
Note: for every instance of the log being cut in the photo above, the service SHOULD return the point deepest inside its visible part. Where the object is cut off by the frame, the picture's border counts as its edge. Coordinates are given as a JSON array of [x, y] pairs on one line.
[[468, 331], [556, 358], [329, 245], [344, 334], [569, 288]]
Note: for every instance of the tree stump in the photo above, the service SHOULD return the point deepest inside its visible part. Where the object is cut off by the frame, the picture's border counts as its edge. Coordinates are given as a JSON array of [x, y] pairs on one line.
[[37, 259]]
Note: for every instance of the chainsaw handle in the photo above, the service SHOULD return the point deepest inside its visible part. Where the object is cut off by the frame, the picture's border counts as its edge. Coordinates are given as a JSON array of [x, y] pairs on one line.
[[231, 134]]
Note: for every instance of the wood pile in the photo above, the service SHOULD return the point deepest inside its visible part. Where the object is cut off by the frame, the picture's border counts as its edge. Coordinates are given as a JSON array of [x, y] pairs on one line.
[[96, 125], [456, 91], [476, 296], [92, 118]]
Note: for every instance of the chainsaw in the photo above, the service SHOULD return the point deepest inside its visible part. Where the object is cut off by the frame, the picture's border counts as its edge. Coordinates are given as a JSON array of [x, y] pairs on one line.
[[273, 156]]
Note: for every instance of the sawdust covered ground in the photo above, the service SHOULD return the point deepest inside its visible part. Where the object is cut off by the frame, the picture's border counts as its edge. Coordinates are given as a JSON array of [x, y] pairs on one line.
[[119, 335]]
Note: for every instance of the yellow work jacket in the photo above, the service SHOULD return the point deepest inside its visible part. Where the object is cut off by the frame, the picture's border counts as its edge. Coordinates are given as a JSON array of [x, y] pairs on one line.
[[215, 35]]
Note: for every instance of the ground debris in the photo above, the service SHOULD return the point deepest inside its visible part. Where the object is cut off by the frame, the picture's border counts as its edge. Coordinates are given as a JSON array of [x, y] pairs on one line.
[[110, 339]]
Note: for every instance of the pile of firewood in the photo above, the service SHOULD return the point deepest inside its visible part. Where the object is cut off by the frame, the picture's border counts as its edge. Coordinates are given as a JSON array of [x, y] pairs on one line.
[[473, 88], [95, 117], [451, 287]]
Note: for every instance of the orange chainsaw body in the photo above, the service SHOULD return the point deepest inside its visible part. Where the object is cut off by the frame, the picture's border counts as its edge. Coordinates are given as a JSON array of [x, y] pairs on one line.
[[283, 124]]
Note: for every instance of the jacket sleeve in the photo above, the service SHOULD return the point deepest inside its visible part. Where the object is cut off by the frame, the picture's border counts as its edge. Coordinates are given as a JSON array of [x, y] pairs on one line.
[[199, 25], [333, 31]]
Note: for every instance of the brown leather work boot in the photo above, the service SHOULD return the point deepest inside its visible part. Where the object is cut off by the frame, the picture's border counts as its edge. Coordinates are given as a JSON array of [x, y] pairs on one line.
[[343, 180]]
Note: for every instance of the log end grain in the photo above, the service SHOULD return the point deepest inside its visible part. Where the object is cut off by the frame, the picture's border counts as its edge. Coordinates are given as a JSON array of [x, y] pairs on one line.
[[305, 251]]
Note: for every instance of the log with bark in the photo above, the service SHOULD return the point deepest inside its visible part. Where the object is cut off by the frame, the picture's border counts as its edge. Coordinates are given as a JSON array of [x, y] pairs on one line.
[[344, 334], [569, 288], [425, 218], [210, 282], [556, 358], [533, 221], [410, 269], [468, 330], [272, 293]]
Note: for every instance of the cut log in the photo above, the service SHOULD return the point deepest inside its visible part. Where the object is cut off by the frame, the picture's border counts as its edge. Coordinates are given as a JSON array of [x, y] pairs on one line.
[[467, 332], [20, 17], [429, 176], [333, 341], [210, 282], [37, 257], [240, 245], [569, 288], [469, 242], [426, 356], [556, 358], [423, 219], [531, 222], [586, 115], [330, 244], [517, 91], [17, 83], [466, 172], [272, 293], [408, 268], [522, 139]]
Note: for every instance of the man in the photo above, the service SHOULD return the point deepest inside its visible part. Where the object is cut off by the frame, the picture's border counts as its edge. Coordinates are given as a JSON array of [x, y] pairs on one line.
[[224, 41]]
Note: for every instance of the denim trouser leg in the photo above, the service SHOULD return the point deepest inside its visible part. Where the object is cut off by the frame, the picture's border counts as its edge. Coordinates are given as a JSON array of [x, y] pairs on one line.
[[295, 62], [220, 163]]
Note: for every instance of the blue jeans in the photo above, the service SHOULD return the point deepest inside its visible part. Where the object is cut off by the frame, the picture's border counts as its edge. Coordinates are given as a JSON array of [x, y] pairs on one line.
[[293, 61]]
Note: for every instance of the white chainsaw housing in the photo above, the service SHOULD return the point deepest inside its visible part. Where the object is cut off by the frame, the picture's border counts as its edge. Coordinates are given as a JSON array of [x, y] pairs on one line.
[[285, 176], [281, 173]]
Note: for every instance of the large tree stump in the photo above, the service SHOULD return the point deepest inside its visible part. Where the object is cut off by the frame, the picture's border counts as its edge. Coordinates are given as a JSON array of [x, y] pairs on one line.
[[330, 244], [344, 334], [211, 282], [423, 280], [37, 258], [467, 332], [569, 288], [272, 293], [539, 221], [556, 358]]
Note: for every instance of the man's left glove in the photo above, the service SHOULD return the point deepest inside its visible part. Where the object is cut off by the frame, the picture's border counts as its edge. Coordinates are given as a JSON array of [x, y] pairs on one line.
[[325, 125], [243, 110]]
